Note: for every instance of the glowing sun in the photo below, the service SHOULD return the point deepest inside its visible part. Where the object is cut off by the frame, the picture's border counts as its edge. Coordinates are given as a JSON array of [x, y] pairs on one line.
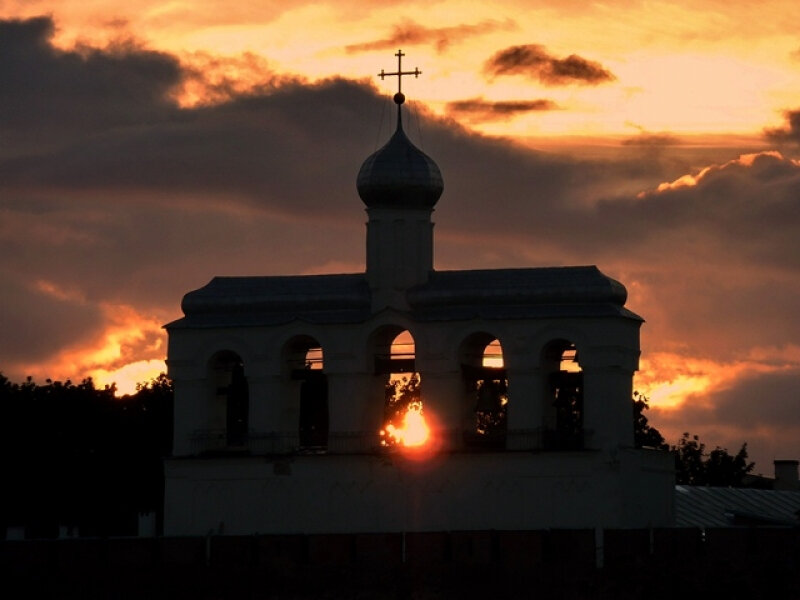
[[414, 431]]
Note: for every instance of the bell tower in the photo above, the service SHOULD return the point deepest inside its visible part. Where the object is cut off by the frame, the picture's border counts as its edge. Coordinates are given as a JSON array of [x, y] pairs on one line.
[[400, 185]]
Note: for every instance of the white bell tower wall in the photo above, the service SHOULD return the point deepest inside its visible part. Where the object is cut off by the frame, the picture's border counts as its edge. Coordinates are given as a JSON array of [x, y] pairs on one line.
[[399, 253]]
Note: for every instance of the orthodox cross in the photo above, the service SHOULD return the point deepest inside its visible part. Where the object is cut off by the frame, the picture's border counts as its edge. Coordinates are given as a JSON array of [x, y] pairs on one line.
[[399, 98]]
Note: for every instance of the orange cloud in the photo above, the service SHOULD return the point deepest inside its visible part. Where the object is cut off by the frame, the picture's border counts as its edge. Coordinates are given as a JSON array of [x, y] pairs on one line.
[[128, 350], [668, 379], [211, 79]]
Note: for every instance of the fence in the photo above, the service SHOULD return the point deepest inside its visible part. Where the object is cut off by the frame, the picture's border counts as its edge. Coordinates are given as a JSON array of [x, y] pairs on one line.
[[657, 563]]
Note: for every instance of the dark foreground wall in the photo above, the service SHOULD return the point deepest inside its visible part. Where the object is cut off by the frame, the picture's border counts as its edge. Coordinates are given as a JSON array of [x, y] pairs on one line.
[[652, 564]]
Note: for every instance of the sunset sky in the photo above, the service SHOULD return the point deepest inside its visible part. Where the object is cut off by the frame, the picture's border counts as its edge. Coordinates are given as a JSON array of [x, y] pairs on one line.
[[148, 145]]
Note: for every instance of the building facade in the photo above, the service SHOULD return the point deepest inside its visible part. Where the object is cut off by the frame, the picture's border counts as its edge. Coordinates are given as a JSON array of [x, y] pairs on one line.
[[284, 387]]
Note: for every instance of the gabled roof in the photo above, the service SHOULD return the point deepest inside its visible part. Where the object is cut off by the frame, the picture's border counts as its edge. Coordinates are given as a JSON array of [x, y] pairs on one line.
[[699, 506]]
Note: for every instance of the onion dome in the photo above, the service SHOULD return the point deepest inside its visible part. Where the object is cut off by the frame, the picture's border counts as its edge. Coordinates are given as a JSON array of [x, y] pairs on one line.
[[399, 175]]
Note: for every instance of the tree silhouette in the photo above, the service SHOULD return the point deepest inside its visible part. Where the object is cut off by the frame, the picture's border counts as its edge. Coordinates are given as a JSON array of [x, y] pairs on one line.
[[400, 395], [693, 465], [77, 455], [718, 468], [644, 435]]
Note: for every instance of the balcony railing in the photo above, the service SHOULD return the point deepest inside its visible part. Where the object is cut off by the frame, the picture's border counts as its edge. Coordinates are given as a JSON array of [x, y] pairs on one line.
[[217, 442]]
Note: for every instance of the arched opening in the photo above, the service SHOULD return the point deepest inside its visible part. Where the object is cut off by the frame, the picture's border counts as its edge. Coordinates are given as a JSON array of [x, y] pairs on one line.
[[395, 351], [231, 405], [305, 362], [403, 417], [486, 392], [563, 410]]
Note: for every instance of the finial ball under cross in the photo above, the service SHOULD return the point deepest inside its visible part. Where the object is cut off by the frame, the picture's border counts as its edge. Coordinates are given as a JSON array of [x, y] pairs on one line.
[[399, 97]]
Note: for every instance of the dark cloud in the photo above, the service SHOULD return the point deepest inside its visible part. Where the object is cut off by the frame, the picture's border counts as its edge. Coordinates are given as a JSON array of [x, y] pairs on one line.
[[753, 201], [35, 324], [207, 149], [716, 253], [712, 261], [789, 133], [410, 33], [533, 60], [480, 109], [105, 120], [767, 400], [47, 94]]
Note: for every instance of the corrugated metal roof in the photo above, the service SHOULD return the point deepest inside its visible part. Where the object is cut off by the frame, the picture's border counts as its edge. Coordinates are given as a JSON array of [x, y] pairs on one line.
[[697, 506]]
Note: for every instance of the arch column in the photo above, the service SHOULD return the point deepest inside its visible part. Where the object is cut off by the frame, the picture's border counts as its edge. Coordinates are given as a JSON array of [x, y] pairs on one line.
[[442, 394], [268, 415], [607, 398], [191, 404], [525, 410], [260, 388], [190, 413], [355, 408]]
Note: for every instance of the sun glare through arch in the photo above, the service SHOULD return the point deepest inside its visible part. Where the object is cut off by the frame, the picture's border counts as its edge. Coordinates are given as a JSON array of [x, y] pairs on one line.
[[405, 424]]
